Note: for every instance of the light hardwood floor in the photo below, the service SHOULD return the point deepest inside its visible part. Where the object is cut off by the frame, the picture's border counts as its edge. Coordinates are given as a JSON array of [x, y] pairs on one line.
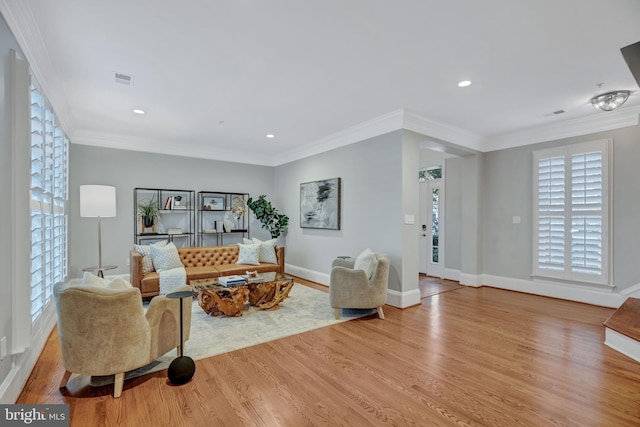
[[466, 357]]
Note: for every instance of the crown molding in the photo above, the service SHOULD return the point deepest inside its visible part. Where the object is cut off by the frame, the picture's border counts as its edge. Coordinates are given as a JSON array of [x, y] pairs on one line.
[[365, 130], [415, 122], [20, 20], [598, 122], [122, 142]]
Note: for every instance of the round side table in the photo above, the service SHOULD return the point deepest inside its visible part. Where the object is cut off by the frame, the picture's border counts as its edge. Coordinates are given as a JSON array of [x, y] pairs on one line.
[[183, 367]]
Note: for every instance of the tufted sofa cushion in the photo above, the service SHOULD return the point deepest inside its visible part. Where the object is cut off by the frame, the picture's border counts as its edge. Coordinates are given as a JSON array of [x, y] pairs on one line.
[[200, 263]]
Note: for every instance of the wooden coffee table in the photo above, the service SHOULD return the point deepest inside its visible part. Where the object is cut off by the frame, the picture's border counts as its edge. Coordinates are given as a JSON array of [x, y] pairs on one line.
[[266, 293]]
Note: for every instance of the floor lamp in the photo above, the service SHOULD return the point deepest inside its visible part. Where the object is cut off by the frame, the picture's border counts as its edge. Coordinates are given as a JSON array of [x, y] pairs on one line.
[[98, 201]]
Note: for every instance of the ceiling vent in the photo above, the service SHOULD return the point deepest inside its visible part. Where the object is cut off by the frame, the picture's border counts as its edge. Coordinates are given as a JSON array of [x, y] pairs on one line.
[[558, 112], [124, 79]]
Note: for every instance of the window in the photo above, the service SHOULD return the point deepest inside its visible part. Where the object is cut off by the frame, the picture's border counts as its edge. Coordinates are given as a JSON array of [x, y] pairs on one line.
[[49, 188], [430, 173], [571, 213]]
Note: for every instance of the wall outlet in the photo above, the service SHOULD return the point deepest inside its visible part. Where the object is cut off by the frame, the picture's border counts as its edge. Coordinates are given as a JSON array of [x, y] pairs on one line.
[[3, 348], [128, 261]]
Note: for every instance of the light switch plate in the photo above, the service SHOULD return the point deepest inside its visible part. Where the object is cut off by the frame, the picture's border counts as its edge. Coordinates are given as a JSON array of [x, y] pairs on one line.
[[409, 219], [516, 220]]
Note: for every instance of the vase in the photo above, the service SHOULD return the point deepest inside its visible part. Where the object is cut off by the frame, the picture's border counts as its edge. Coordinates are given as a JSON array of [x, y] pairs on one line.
[[148, 221]]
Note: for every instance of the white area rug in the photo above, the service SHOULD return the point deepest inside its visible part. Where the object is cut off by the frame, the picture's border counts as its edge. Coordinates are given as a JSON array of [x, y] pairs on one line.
[[304, 310]]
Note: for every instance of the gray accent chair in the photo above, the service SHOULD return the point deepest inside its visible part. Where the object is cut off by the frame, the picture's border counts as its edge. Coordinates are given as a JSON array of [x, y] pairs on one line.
[[349, 288], [106, 331]]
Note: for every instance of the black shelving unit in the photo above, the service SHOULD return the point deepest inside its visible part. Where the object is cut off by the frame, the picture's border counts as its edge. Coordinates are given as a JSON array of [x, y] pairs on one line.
[[223, 218], [177, 220]]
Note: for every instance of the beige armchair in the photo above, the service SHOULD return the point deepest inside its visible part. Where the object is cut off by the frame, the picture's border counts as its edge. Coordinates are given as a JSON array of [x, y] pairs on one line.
[[105, 331], [351, 288]]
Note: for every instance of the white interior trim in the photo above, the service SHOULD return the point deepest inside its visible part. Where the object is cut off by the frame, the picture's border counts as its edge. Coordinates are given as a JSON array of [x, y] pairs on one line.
[[20, 275], [600, 297], [622, 343]]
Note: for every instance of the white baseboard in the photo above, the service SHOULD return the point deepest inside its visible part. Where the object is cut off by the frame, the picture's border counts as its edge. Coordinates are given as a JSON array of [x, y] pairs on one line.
[[451, 274], [632, 292], [622, 343], [305, 273], [22, 364], [604, 298], [403, 299], [470, 280]]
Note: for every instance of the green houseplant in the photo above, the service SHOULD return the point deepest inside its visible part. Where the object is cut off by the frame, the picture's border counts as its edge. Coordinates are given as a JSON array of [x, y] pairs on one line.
[[148, 211], [271, 220]]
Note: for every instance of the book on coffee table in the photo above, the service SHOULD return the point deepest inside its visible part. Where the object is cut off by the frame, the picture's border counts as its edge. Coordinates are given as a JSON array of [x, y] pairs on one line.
[[253, 279], [231, 280]]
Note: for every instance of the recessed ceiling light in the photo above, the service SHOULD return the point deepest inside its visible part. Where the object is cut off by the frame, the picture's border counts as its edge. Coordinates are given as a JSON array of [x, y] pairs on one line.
[[464, 83], [138, 111], [270, 135]]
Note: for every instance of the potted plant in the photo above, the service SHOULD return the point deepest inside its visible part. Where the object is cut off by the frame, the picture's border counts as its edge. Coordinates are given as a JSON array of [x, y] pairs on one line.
[[148, 211], [271, 220]]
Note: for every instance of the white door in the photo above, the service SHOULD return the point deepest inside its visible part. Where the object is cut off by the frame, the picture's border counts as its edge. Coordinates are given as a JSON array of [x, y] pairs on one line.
[[431, 229]]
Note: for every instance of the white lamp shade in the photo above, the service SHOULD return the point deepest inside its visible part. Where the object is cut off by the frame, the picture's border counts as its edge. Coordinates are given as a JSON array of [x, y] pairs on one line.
[[97, 201]]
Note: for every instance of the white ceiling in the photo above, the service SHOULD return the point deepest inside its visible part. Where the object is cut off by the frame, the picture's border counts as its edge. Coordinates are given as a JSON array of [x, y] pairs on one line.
[[215, 76]]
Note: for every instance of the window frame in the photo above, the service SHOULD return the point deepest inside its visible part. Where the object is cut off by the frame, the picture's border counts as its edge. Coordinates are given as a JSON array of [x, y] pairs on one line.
[[568, 213]]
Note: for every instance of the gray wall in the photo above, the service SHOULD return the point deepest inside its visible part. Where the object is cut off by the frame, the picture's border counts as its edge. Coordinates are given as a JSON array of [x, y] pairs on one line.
[[371, 173], [507, 191], [127, 170]]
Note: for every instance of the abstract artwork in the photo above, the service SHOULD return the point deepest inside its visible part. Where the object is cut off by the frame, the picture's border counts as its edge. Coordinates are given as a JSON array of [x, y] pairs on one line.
[[320, 204]]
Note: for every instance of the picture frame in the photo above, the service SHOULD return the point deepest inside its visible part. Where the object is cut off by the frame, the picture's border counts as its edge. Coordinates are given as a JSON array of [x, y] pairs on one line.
[[321, 204]]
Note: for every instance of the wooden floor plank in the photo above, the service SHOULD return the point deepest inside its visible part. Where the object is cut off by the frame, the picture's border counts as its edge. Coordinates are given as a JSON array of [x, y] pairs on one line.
[[464, 357]]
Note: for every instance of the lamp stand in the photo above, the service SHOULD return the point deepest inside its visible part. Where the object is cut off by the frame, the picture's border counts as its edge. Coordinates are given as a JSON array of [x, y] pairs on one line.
[[100, 270]]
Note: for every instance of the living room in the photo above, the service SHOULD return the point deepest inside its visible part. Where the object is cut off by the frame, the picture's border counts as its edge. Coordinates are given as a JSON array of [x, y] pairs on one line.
[[377, 160]]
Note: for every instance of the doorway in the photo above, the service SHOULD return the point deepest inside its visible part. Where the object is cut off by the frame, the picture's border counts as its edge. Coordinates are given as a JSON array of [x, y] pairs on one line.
[[432, 222]]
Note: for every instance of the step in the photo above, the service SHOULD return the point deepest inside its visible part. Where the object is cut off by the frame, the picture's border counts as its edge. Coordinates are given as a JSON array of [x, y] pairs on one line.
[[623, 329]]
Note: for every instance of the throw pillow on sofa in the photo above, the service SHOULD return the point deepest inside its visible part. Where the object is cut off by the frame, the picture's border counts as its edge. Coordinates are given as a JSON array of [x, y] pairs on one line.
[[145, 251], [249, 254], [267, 249], [166, 257]]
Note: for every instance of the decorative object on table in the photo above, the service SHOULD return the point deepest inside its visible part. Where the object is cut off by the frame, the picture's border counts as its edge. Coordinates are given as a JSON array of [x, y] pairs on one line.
[[183, 367], [216, 204], [148, 212], [271, 220], [238, 208], [231, 280], [98, 201], [320, 204]]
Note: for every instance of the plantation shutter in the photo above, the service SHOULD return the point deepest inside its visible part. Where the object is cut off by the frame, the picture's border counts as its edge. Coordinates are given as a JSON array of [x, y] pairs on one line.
[[571, 213], [49, 188], [551, 206]]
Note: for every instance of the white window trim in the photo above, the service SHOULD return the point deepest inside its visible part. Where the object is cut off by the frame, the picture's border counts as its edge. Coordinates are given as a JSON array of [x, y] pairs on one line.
[[21, 333], [604, 280]]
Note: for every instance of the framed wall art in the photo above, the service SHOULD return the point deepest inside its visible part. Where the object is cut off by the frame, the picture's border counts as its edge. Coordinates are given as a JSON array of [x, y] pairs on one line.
[[320, 204]]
